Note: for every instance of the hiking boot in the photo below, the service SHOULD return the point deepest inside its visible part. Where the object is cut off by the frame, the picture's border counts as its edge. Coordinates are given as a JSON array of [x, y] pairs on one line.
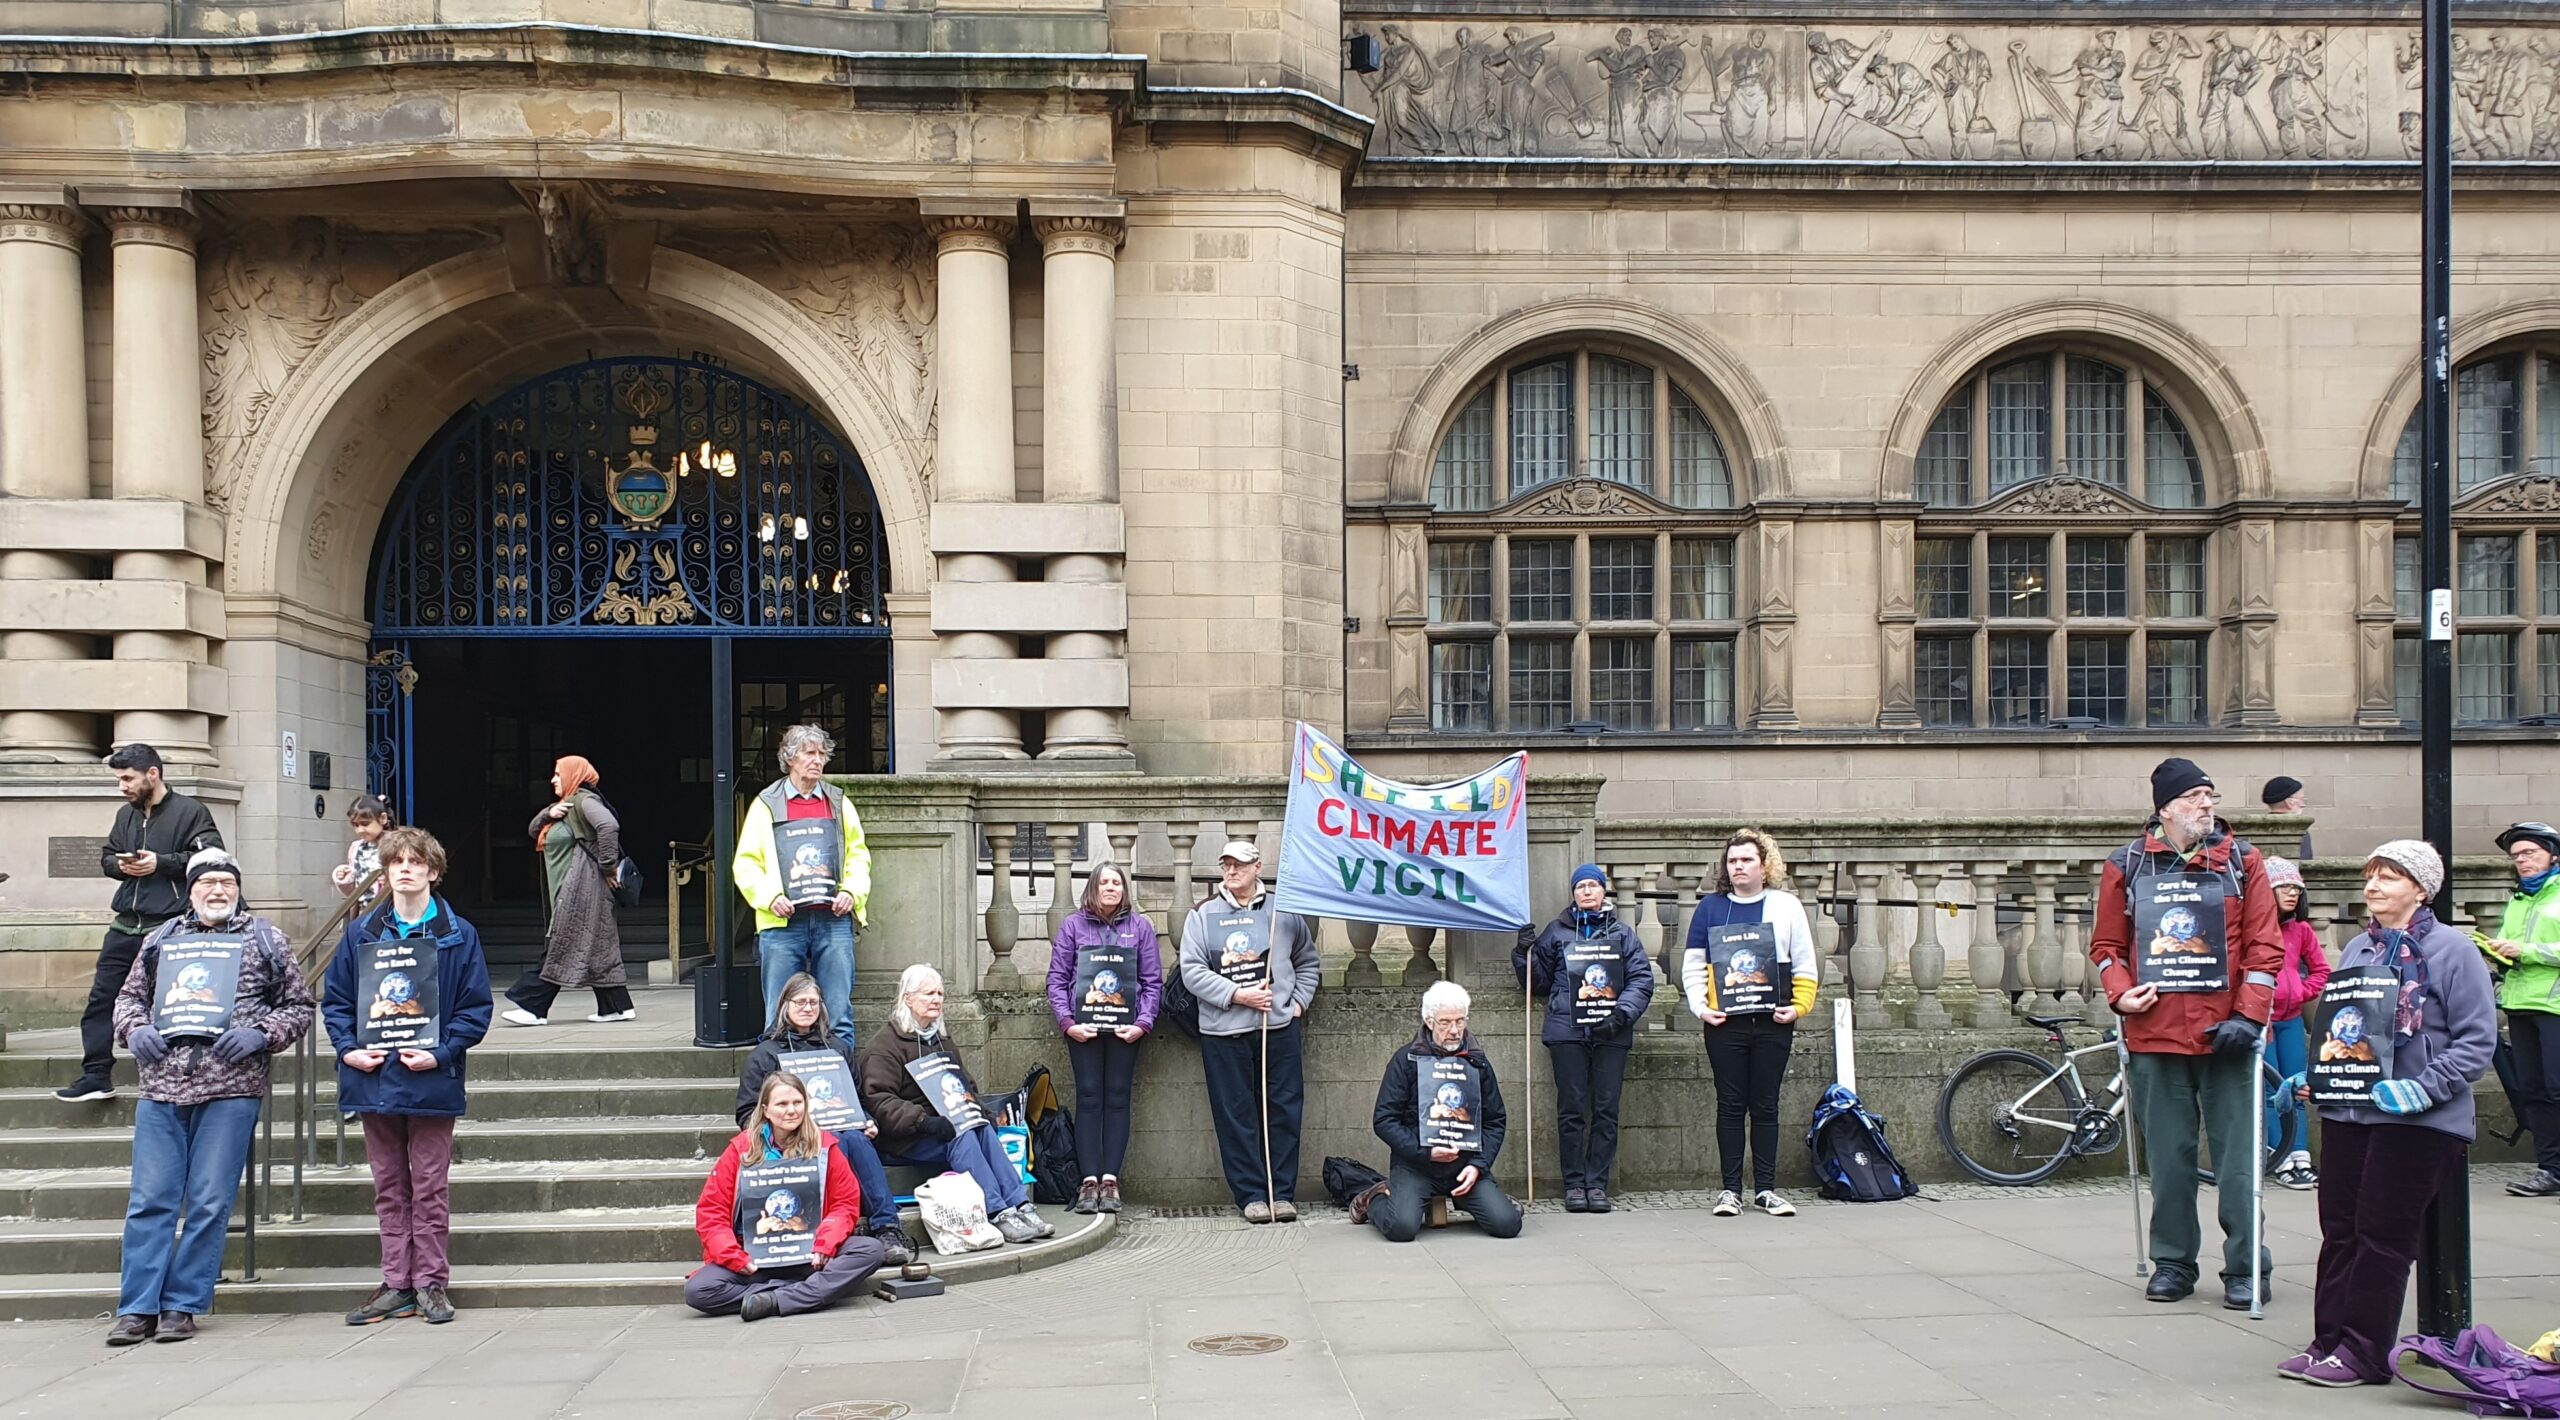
[[1284, 1211], [1088, 1197], [1595, 1200], [758, 1305], [1728, 1204], [132, 1329], [434, 1305], [1573, 1200], [1367, 1199], [177, 1326], [1257, 1212], [2168, 1286], [383, 1305], [1771, 1203], [2333, 1370], [1015, 1227], [2540, 1183], [1108, 1200], [895, 1250], [85, 1089]]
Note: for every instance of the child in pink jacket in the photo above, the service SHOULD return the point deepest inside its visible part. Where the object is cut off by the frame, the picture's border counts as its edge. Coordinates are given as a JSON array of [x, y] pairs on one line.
[[2298, 984]]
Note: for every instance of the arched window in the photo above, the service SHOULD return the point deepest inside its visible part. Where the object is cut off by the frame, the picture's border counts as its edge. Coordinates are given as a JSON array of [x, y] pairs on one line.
[[2060, 565], [2053, 411], [1637, 428], [2506, 420], [1582, 552]]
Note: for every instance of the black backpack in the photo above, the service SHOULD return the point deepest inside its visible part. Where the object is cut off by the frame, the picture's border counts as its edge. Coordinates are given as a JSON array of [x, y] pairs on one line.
[[1346, 1179], [1851, 1161], [1176, 1006], [1054, 1175]]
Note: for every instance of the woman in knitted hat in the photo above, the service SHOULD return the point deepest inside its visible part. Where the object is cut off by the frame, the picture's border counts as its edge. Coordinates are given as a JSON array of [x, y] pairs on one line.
[[1596, 980], [1750, 1011], [2298, 983], [2384, 1161]]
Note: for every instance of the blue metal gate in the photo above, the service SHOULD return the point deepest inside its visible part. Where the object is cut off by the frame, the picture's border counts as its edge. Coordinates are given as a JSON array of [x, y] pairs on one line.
[[624, 497]]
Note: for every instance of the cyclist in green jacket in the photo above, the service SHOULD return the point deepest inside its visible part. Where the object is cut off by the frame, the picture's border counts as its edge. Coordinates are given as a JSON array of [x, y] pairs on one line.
[[2526, 952]]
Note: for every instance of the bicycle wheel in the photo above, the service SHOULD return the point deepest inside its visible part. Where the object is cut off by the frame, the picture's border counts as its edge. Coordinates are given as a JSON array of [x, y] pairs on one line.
[[2006, 1117]]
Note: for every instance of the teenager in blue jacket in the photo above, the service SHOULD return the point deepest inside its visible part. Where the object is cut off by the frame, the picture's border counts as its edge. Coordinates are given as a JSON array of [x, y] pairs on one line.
[[407, 1096]]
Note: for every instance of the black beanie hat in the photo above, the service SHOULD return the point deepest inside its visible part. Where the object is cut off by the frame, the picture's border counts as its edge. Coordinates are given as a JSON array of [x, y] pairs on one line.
[[2279, 789], [2175, 777], [212, 860]]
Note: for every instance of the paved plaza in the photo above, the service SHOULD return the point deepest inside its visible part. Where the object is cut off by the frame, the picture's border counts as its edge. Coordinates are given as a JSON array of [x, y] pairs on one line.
[[1971, 1302]]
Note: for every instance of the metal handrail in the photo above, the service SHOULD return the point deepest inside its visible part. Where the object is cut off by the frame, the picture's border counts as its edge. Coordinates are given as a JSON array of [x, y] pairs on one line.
[[685, 862]]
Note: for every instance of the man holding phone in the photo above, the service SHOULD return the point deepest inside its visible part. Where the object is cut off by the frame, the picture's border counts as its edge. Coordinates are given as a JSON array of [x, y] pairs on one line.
[[154, 834]]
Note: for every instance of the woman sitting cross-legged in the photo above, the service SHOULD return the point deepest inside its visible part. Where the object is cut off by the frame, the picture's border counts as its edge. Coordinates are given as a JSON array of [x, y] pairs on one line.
[[729, 1280], [916, 1134], [800, 1024]]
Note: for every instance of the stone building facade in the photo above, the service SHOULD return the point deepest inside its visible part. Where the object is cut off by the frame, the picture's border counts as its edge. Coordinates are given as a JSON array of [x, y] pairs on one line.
[[1909, 408]]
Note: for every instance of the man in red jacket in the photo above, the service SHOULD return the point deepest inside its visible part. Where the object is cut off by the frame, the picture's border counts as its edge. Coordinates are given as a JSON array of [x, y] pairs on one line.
[[728, 1281], [2187, 945]]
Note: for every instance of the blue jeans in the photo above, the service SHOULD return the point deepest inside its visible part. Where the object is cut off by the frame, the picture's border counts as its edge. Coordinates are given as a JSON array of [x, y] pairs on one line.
[[816, 941], [977, 1154], [2288, 1054], [879, 1205], [186, 1168]]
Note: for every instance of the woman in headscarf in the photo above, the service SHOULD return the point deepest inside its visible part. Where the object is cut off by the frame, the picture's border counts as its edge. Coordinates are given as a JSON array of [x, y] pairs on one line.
[[581, 844]]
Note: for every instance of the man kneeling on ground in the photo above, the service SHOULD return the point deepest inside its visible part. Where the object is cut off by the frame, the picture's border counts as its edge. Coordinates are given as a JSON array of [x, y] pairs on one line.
[[1445, 1138]]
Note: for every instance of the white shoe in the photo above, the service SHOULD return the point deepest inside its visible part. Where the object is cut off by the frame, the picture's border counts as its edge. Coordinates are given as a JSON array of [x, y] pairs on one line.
[[608, 1018], [1773, 1205], [519, 1016], [1728, 1204]]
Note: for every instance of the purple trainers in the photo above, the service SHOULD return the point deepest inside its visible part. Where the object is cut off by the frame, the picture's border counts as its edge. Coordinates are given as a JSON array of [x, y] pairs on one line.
[[2294, 1368], [2335, 1370]]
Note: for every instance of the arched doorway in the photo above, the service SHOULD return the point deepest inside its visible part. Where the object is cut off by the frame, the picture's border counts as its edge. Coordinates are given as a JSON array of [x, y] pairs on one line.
[[654, 562]]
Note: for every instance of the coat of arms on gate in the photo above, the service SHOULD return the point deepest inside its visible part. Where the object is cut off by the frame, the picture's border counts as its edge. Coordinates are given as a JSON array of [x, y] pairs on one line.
[[640, 491]]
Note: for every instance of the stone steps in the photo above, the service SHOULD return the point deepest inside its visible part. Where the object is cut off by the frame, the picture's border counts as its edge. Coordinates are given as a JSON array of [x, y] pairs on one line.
[[574, 1180], [31, 1296]]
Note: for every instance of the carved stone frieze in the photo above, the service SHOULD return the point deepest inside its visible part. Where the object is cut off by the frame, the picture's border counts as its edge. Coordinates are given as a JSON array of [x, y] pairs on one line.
[[2539, 493], [870, 287], [2063, 495], [1584, 498], [1984, 93], [270, 295]]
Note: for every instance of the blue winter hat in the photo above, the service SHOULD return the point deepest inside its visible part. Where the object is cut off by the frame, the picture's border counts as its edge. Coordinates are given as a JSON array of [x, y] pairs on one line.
[[1588, 872]]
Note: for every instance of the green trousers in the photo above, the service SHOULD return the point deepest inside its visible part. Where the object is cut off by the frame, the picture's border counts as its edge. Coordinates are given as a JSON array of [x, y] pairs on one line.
[[2178, 1099]]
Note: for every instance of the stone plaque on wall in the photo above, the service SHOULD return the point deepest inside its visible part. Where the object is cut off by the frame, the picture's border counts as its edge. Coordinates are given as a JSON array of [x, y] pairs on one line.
[[73, 857]]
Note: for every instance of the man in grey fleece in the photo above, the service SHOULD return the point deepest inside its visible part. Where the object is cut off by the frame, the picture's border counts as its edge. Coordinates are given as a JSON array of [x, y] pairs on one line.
[[1254, 970]]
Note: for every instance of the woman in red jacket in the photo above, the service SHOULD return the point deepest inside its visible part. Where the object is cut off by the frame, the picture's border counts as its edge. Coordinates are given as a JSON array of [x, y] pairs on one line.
[[729, 1280]]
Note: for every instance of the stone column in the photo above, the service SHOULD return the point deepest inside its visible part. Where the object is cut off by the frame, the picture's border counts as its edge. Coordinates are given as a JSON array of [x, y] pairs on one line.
[[1080, 447], [973, 453], [44, 437], [159, 438]]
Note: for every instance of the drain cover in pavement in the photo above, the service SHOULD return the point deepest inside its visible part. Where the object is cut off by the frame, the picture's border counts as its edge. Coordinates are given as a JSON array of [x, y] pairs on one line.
[[1235, 1343], [854, 1410]]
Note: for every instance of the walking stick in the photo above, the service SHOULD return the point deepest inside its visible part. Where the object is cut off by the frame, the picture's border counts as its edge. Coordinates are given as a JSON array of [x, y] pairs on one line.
[[1270, 1189], [2132, 1173], [1529, 1068], [2257, 1181]]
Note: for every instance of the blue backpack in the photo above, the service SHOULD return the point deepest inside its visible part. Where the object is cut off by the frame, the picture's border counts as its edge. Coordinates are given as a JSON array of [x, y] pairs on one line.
[[1851, 1161]]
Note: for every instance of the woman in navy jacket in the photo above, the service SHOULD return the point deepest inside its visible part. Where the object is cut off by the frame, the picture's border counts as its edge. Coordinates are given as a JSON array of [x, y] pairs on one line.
[[1589, 967], [409, 1098]]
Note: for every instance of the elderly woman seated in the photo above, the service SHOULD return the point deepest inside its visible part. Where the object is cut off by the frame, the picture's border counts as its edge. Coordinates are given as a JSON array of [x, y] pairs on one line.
[[1440, 1113], [914, 1130]]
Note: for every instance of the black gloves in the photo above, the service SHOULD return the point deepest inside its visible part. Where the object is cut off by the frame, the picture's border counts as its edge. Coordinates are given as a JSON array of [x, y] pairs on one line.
[[940, 1128], [2236, 1036]]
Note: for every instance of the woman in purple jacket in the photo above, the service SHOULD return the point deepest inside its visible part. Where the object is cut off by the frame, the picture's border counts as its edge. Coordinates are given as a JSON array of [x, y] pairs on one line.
[[1105, 982], [2424, 1029]]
